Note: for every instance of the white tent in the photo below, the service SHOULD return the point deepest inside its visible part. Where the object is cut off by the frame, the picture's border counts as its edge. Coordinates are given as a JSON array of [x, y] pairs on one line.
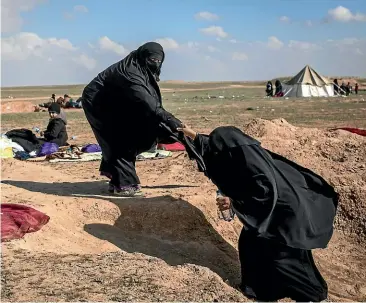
[[308, 83]]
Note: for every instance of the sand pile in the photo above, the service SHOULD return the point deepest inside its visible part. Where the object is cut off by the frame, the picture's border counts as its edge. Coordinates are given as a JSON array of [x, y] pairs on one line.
[[171, 245], [17, 107], [339, 156]]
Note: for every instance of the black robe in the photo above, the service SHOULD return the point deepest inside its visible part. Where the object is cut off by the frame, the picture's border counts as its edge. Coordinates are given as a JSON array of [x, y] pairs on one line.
[[286, 210], [278, 87], [56, 132], [123, 105]]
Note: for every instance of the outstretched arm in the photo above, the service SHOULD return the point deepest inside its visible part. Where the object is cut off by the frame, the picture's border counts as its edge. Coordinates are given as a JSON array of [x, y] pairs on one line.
[[151, 106]]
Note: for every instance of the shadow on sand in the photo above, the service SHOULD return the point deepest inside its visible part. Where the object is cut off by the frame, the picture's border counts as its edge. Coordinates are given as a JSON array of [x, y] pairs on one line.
[[163, 227]]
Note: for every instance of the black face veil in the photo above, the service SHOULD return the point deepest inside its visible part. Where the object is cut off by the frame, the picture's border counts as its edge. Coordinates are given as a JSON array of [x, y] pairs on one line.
[[151, 55]]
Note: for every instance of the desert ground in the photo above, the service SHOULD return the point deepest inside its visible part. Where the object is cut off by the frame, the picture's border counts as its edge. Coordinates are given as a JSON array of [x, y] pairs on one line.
[[171, 245]]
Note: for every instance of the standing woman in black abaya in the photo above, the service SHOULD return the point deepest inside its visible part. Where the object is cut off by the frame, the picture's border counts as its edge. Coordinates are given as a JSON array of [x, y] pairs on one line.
[[123, 105]]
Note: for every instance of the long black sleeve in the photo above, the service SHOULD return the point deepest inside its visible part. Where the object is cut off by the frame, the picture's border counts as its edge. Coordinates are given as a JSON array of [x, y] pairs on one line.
[[53, 129], [253, 190], [201, 144], [151, 105]]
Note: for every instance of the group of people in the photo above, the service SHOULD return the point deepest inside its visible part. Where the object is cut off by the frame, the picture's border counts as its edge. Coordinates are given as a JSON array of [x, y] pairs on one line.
[[286, 210], [278, 92], [65, 102], [344, 89]]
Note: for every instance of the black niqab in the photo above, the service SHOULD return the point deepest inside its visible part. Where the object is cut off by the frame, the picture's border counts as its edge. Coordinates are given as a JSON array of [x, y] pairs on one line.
[[275, 198], [152, 55]]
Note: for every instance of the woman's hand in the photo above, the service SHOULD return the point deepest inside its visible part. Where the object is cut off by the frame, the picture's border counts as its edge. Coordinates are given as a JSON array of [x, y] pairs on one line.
[[187, 131], [223, 203]]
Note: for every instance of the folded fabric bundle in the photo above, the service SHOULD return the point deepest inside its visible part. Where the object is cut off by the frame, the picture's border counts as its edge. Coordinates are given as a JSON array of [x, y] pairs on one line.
[[159, 154], [177, 146], [91, 148], [48, 149], [17, 220]]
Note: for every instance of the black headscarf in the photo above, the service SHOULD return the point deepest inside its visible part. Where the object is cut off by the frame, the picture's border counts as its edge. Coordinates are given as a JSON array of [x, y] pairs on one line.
[[273, 197], [139, 63], [54, 108]]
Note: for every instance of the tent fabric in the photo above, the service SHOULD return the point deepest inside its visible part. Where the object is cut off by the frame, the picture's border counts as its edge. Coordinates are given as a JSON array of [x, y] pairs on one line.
[[17, 220], [308, 83], [307, 90]]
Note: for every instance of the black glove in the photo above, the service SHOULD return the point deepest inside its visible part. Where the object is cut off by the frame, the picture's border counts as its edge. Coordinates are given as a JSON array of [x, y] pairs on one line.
[[173, 123]]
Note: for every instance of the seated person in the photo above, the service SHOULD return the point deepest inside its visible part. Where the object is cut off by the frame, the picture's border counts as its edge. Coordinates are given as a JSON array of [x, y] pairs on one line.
[[70, 103], [286, 211], [56, 129], [61, 101], [50, 101], [279, 92], [269, 89]]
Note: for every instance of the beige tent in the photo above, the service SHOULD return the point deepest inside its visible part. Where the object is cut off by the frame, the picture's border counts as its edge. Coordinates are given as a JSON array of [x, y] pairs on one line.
[[308, 83]]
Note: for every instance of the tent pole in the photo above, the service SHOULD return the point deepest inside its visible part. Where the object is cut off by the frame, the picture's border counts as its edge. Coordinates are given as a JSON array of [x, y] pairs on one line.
[[288, 92], [340, 89]]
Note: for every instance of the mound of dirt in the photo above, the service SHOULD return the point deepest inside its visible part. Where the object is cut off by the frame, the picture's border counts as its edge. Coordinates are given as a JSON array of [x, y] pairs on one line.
[[169, 246], [17, 107], [339, 156]]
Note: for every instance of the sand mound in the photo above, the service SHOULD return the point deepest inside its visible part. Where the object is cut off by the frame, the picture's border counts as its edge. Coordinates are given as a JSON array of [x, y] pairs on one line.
[[339, 156], [171, 245], [17, 107]]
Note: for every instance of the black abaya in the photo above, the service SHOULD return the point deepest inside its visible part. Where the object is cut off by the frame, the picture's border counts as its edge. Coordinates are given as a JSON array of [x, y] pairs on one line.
[[286, 210], [124, 108]]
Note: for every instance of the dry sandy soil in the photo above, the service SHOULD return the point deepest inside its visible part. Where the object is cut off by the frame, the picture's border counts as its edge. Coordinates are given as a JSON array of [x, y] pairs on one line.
[[170, 246]]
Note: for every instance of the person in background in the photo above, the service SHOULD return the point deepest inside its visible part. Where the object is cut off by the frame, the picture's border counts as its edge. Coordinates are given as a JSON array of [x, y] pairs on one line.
[[356, 88], [68, 101], [349, 88], [286, 211], [56, 129], [343, 89], [279, 92], [50, 101], [124, 108], [269, 89]]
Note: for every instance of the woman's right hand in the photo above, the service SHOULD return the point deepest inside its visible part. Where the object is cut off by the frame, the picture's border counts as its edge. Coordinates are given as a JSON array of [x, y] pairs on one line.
[[223, 203], [187, 131]]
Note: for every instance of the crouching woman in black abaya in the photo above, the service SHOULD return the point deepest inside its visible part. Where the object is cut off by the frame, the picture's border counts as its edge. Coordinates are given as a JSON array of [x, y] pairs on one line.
[[286, 210], [123, 105]]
